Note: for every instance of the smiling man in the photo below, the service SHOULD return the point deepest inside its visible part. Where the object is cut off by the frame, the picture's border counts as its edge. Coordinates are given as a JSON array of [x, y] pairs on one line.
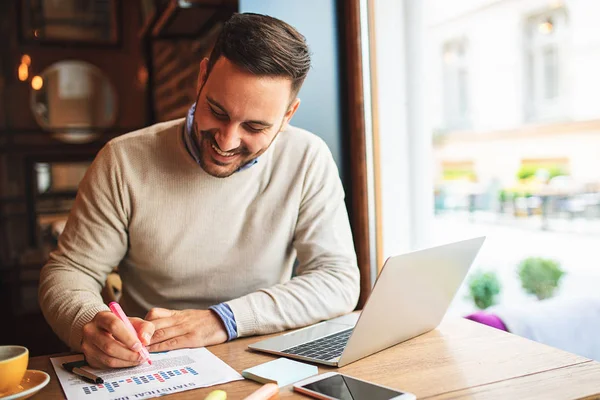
[[205, 216], [231, 131]]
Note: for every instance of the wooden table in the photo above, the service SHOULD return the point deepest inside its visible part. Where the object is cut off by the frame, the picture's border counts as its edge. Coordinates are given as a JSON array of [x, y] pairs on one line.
[[458, 360]]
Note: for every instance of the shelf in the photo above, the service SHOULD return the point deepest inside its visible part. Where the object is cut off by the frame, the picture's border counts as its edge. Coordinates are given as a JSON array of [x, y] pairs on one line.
[[53, 211], [11, 271], [65, 194], [14, 132], [36, 141], [12, 199]]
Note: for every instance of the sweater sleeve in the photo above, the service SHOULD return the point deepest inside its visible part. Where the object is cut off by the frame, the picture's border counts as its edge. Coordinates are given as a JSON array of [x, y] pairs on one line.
[[93, 242], [327, 282]]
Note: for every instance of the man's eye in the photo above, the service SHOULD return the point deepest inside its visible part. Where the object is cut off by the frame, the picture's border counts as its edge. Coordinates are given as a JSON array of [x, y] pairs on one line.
[[252, 129], [217, 114]]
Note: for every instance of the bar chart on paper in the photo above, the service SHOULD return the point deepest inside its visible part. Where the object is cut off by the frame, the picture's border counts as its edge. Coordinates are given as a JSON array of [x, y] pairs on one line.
[[140, 380], [170, 372]]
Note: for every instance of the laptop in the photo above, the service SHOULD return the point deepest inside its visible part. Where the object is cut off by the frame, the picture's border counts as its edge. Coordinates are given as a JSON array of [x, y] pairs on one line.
[[411, 296]]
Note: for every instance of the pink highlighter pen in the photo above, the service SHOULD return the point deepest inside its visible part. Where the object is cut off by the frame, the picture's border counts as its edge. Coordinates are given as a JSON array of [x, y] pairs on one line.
[[118, 311]]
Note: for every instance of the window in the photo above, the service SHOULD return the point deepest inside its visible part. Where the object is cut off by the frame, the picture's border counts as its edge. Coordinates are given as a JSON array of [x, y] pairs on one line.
[[545, 54], [532, 189], [456, 85]]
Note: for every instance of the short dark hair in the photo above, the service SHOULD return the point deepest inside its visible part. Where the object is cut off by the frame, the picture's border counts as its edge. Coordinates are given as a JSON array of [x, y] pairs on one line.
[[263, 45]]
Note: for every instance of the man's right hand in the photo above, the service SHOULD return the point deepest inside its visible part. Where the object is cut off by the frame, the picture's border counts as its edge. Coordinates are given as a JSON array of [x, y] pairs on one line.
[[107, 343]]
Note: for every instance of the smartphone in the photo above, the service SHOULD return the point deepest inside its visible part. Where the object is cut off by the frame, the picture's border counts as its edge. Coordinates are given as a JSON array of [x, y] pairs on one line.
[[335, 386]]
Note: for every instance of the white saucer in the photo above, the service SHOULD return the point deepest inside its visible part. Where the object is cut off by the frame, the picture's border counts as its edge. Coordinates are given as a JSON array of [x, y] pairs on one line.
[[31, 383]]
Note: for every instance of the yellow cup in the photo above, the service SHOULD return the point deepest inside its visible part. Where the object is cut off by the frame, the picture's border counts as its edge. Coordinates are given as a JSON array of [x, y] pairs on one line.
[[13, 364]]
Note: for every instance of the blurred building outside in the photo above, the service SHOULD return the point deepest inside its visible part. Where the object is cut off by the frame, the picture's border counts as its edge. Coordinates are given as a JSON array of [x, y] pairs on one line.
[[514, 107]]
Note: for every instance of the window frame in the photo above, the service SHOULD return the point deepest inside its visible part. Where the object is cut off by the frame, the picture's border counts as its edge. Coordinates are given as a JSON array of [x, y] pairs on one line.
[[455, 61], [539, 108]]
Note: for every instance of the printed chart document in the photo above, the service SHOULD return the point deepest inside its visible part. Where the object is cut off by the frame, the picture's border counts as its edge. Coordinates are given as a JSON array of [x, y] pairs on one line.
[[170, 372]]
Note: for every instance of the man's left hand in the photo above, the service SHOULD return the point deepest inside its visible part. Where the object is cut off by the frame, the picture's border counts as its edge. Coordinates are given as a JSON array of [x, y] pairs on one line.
[[185, 328]]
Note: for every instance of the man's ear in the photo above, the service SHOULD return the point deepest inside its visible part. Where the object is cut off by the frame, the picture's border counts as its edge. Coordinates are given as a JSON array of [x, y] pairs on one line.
[[202, 75], [290, 113]]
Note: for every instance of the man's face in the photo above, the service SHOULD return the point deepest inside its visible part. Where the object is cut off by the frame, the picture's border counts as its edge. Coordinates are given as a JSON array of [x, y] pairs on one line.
[[238, 115]]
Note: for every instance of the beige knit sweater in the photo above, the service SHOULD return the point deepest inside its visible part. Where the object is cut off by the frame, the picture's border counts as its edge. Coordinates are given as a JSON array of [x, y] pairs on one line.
[[184, 239]]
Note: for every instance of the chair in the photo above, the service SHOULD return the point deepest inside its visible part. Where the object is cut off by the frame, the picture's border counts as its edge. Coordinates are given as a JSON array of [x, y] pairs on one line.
[[112, 288], [568, 323]]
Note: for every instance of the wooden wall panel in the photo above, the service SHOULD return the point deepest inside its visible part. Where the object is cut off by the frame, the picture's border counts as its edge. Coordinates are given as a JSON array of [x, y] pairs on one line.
[[121, 63], [176, 64], [23, 142]]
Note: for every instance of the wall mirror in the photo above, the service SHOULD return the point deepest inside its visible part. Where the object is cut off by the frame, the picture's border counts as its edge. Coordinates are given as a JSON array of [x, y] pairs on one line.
[[74, 100]]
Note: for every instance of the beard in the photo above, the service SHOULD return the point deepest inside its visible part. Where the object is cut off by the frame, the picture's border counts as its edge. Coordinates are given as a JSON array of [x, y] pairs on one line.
[[205, 141]]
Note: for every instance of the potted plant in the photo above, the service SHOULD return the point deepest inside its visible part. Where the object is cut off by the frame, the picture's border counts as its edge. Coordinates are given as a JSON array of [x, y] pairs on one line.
[[526, 172], [540, 276], [483, 289]]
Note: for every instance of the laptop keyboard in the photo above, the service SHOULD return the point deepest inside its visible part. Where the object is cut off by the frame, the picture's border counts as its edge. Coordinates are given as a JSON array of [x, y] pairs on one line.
[[325, 348]]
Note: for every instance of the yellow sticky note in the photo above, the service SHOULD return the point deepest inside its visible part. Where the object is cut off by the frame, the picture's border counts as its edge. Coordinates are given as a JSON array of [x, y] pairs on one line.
[[216, 395]]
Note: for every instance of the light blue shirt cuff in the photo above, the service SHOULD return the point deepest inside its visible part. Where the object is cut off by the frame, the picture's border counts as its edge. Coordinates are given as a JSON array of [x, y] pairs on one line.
[[224, 312]]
